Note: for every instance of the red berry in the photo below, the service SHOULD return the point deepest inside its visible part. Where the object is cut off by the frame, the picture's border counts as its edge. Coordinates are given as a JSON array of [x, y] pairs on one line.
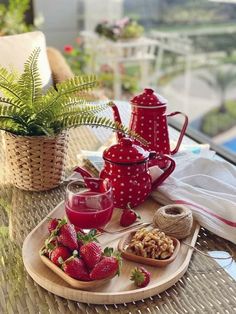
[[68, 237], [59, 255], [107, 267], [140, 276], [128, 217], [91, 253], [76, 268], [52, 224]]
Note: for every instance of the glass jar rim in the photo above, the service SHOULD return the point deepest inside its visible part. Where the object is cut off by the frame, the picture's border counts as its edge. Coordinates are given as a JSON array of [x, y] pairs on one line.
[[82, 182]]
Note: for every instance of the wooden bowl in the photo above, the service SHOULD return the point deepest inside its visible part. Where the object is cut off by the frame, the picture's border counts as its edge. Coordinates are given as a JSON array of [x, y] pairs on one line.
[[146, 260], [77, 284]]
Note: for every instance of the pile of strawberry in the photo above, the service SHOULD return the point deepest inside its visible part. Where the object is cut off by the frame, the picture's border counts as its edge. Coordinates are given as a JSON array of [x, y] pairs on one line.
[[78, 254]]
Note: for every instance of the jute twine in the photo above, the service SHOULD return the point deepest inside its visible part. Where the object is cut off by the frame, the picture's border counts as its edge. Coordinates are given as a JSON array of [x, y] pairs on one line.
[[174, 220], [177, 221]]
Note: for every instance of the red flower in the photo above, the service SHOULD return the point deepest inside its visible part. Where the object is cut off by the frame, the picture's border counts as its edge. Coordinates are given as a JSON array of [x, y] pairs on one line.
[[68, 48]]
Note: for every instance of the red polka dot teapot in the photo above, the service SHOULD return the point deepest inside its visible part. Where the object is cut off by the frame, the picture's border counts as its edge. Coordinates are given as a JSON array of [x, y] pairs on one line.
[[149, 119], [126, 167]]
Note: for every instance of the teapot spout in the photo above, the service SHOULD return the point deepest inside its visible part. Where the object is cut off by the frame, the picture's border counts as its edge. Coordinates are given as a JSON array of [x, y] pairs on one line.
[[117, 119]]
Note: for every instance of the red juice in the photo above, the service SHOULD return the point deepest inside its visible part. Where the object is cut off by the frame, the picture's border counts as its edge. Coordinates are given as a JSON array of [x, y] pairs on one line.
[[89, 210]]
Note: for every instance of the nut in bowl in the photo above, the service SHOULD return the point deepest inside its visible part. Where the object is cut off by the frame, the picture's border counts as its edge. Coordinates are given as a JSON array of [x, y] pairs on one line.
[[77, 257], [150, 247]]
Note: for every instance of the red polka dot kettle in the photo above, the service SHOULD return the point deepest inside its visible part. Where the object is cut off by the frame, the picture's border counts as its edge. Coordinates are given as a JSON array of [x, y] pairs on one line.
[[149, 119], [126, 167]]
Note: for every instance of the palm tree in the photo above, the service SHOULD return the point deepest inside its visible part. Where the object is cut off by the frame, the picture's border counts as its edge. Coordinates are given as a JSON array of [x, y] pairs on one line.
[[220, 80]]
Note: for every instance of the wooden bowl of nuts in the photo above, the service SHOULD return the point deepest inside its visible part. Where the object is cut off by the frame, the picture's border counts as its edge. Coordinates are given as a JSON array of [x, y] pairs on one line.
[[150, 247]]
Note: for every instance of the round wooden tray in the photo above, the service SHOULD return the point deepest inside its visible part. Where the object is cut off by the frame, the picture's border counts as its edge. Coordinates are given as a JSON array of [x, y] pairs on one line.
[[119, 289]]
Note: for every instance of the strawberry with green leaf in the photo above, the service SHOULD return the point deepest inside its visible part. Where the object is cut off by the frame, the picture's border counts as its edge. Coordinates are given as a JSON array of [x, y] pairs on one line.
[[52, 224], [67, 236], [140, 276], [59, 254], [90, 251], [128, 216], [109, 265], [76, 268]]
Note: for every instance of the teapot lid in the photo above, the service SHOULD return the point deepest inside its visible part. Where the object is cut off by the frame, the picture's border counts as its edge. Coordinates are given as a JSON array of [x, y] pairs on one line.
[[148, 98], [125, 152]]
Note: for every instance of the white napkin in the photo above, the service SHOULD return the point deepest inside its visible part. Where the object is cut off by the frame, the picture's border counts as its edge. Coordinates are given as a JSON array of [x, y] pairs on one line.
[[208, 187]]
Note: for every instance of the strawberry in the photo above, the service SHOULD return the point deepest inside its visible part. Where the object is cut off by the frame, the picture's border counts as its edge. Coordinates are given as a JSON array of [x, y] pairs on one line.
[[128, 217], [68, 237], [59, 254], [75, 268], [108, 266], [52, 224], [140, 276], [90, 251]]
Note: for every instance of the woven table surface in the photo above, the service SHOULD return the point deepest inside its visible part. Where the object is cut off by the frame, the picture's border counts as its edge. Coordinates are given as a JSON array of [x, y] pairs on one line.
[[205, 288]]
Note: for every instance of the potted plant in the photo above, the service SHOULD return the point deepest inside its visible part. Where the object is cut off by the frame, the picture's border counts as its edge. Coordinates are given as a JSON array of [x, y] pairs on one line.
[[125, 28], [35, 123]]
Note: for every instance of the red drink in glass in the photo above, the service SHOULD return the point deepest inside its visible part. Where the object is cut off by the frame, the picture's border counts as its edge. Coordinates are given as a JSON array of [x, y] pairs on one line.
[[91, 207]]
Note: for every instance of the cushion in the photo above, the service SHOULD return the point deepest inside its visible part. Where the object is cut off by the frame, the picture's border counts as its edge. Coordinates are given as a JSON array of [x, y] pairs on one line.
[[15, 49]]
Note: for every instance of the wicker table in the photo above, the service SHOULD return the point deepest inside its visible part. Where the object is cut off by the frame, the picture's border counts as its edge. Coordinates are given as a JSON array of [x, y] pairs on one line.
[[205, 288]]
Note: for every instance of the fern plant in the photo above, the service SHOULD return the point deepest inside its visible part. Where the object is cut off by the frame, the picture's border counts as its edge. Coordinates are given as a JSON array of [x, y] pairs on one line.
[[26, 110]]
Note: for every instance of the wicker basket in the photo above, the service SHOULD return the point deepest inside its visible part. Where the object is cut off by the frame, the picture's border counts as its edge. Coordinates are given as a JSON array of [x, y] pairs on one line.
[[37, 163]]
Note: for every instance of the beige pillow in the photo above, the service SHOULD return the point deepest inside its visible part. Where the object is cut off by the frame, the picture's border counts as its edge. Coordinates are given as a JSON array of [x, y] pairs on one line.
[[15, 49]]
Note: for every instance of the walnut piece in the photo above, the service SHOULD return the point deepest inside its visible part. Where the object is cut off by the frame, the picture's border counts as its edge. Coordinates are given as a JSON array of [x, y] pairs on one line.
[[151, 243]]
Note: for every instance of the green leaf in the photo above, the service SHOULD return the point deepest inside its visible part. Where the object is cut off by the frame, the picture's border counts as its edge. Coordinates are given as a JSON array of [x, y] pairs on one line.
[[30, 81]]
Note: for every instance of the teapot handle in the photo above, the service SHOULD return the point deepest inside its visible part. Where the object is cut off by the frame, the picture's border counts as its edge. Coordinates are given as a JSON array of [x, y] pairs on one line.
[[91, 182], [184, 127], [166, 172]]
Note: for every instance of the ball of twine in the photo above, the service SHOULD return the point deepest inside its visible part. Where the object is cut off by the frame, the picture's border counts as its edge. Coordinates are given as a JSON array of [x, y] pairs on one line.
[[174, 220]]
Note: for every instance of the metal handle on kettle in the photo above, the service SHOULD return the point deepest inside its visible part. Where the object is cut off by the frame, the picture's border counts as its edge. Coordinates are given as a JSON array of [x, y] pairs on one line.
[[166, 172], [184, 127]]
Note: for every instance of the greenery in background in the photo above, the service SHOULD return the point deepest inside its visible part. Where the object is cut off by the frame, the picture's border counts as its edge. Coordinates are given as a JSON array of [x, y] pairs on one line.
[[215, 122], [125, 28], [220, 80], [12, 17], [223, 117], [175, 14], [129, 78], [77, 56], [25, 110]]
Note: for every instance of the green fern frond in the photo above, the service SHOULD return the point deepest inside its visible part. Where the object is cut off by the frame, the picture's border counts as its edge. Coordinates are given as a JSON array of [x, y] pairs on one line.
[[10, 102], [7, 76], [11, 91], [30, 81], [13, 125], [88, 109], [96, 121], [66, 88], [12, 107], [77, 84]]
